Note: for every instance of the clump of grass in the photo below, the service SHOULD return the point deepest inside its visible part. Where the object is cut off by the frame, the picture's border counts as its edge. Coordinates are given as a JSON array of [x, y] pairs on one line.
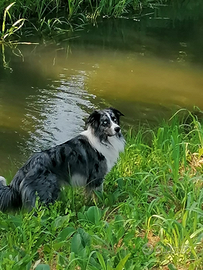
[[58, 15], [149, 217]]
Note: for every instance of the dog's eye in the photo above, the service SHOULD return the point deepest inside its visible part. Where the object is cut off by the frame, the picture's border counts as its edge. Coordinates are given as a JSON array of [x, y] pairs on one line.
[[114, 119], [105, 123]]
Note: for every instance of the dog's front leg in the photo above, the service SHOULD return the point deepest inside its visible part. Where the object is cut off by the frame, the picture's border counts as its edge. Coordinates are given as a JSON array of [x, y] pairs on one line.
[[94, 186], [99, 188]]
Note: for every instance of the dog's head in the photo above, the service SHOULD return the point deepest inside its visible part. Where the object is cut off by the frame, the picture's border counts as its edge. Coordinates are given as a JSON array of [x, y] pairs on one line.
[[105, 123]]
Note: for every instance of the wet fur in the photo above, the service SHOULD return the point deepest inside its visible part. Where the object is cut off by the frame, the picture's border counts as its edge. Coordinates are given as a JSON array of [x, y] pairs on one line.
[[81, 161]]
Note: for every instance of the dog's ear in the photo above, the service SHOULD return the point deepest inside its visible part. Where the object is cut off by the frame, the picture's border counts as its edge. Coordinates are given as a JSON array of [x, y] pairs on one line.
[[116, 112], [93, 119]]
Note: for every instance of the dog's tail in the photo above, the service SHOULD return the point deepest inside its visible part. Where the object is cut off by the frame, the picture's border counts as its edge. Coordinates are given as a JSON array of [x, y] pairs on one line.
[[9, 197]]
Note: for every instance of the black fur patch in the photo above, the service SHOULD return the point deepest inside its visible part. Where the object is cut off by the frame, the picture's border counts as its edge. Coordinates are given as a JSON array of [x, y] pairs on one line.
[[45, 172]]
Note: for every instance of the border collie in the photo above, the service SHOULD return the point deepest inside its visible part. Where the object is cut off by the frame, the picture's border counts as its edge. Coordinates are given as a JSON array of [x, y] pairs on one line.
[[81, 161]]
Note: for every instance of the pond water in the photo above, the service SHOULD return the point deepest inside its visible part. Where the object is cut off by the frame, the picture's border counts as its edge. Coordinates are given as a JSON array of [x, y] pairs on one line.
[[147, 69]]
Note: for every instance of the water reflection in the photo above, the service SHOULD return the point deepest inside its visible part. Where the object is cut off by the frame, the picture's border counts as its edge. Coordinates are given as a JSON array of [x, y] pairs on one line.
[[58, 112], [46, 112], [146, 71]]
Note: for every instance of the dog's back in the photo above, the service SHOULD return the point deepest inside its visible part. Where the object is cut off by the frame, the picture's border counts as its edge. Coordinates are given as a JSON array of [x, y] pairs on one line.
[[73, 163], [81, 161]]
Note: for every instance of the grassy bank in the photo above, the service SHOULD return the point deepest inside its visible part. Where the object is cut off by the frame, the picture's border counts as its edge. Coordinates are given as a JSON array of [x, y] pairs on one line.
[[150, 216], [70, 8], [58, 16]]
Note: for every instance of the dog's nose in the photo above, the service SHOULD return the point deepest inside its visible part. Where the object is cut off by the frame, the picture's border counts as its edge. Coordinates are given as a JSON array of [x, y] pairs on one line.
[[117, 129]]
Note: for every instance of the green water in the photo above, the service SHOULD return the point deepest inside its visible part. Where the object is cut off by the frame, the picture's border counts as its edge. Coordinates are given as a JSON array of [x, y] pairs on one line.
[[146, 69]]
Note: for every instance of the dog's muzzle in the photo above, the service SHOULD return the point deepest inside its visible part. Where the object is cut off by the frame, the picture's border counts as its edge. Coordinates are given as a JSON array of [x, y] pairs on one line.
[[116, 131]]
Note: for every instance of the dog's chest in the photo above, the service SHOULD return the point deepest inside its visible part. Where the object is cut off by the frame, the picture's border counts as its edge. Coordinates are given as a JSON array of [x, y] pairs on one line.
[[109, 150]]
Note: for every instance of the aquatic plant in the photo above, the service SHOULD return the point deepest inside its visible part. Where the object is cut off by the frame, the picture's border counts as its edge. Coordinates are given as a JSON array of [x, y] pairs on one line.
[[149, 217], [8, 35], [8, 32]]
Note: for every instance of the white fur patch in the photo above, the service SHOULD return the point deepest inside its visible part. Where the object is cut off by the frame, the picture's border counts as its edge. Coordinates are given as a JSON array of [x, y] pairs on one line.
[[113, 125], [3, 180], [77, 180], [110, 151]]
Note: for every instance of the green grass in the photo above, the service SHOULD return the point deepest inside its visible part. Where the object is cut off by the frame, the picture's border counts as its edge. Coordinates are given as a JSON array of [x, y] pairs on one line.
[[149, 217], [59, 16]]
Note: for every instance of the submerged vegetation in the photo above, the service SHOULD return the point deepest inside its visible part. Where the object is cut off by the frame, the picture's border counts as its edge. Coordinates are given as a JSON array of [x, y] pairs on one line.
[[149, 217]]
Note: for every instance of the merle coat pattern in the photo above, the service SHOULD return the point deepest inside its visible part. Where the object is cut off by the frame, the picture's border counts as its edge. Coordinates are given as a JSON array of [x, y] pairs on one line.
[[81, 161]]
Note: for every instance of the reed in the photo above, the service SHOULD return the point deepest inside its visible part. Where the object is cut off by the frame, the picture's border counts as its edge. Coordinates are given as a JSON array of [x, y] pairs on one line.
[[7, 32], [79, 12]]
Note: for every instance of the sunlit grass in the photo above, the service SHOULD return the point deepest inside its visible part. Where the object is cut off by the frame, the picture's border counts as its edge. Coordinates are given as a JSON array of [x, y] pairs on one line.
[[7, 32], [149, 217]]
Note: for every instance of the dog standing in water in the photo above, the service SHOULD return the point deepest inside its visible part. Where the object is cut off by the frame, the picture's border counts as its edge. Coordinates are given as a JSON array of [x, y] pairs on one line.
[[81, 161]]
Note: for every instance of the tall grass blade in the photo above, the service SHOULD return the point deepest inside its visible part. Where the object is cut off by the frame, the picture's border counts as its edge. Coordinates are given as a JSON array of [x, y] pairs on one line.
[[6, 11], [101, 261], [122, 262]]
